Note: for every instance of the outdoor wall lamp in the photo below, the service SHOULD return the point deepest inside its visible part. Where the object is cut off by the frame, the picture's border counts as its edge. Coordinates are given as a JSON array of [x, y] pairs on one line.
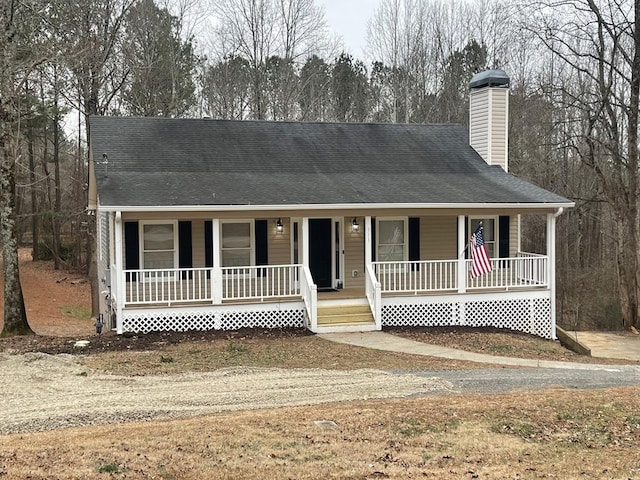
[[355, 226], [279, 226]]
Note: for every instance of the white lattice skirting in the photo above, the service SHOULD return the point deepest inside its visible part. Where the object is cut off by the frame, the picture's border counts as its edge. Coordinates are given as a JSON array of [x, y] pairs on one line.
[[212, 318], [528, 312]]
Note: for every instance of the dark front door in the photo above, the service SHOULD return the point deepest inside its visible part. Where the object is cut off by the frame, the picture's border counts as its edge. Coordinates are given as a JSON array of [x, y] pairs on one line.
[[320, 251]]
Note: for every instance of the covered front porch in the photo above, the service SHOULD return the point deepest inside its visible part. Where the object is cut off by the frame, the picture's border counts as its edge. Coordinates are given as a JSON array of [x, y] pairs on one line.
[[337, 285]]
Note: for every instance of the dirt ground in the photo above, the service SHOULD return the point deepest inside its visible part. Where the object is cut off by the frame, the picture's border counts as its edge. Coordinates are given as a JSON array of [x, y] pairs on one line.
[[45, 388], [54, 299], [58, 304], [65, 416]]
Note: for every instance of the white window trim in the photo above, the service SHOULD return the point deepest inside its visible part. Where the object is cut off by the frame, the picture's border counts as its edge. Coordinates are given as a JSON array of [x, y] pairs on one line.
[[141, 225], [405, 246], [252, 240], [496, 226]]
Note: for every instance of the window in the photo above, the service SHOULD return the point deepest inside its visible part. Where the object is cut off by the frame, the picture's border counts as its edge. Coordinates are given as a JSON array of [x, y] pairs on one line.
[[236, 244], [158, 245], [489, 225], [392, 246]]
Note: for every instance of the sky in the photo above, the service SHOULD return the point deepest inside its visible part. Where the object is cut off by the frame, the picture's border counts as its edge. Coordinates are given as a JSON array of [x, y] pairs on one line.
[[348, 19]]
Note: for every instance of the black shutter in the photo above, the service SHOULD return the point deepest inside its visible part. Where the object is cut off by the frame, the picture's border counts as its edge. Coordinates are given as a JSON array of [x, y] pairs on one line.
[[373, 239], [414, 240], [208, 244], [262, 248], [132, 248], [185, 248], [503, 237]]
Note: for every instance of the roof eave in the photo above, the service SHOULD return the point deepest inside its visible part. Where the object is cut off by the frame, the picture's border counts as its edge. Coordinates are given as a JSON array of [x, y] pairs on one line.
[[344, 206]]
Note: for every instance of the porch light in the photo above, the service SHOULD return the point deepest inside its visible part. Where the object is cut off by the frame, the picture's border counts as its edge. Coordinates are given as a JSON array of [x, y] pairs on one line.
[[279, 226], [355, 226]]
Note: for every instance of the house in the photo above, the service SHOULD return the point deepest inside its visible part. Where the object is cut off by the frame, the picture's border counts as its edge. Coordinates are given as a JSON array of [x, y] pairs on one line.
[[219, 224]]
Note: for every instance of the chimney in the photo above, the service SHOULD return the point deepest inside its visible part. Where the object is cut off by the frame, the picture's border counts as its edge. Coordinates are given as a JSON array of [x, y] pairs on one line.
[[489, 116]]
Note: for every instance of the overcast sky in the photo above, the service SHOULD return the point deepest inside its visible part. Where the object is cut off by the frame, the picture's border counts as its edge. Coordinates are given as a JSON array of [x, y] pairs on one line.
[[348, 19]]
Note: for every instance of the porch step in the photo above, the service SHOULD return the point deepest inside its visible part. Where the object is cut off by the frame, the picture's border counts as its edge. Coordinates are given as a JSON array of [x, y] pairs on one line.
[[344, 315]]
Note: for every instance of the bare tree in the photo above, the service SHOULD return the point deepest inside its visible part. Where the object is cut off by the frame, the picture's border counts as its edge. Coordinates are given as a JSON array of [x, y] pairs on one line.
[[397, 34], [599, 44], [16, 63], [259, 30], [160, 63]]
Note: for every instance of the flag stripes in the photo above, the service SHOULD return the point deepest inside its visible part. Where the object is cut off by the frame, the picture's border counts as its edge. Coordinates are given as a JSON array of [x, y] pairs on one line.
[[481, 263]]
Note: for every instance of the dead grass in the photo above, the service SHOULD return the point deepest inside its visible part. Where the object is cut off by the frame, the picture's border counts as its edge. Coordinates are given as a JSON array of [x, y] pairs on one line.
[[292, 352], [308, 351], [550, 434], [493, 341]]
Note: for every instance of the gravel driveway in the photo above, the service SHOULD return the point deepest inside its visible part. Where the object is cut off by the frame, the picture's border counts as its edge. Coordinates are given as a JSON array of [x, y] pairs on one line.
[[44, 392]]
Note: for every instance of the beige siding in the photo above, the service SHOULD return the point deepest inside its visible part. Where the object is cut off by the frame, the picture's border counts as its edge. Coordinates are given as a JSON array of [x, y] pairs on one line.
[[499, 125], [478, 122], [279, 244], [197, 238], [514, 236], [488, 124], [438, 238], [354, 254]]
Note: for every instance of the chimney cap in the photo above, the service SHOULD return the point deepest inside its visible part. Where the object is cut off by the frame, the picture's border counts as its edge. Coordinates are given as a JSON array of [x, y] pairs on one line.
[[490, 78]]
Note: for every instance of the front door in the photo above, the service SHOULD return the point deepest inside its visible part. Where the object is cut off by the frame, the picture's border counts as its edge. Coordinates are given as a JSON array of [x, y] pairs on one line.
[[320, 253]]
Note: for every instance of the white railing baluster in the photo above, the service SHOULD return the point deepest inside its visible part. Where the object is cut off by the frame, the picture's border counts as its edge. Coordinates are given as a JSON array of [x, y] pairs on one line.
[[523, 271]]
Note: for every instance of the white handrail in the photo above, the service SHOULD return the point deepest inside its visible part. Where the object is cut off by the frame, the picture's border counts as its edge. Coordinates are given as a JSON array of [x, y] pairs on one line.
[[373, 291], [309, 292]]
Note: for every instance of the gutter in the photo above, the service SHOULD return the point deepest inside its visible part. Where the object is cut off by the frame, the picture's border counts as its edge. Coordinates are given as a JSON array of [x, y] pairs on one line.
[[559, 207]]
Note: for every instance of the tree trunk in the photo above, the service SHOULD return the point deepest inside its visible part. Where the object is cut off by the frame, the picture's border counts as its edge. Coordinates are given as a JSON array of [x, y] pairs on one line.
[[35, 214], [58, 187], [632, 243], [15, 315]]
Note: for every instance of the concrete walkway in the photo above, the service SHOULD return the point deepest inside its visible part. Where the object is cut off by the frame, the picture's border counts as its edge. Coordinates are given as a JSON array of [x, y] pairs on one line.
[[622, 345], [394, 343]]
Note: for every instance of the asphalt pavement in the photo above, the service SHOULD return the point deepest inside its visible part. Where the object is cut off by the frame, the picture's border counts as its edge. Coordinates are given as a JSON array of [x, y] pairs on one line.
[[532, 374]]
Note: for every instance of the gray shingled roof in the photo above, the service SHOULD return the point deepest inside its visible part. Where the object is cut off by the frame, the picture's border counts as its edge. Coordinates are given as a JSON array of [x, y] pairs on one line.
[[181, 162]]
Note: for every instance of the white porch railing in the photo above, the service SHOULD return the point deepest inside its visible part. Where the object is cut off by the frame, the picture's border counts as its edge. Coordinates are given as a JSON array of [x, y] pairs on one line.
[[417, 276], [523, 271], [168, 286], [532, 268], [209, 285], [431, 276], [373, 291], [309, 292], [260, 282], [183, 285]]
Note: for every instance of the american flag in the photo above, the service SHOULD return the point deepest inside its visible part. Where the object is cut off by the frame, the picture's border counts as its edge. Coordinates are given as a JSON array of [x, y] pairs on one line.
[[481, 263]]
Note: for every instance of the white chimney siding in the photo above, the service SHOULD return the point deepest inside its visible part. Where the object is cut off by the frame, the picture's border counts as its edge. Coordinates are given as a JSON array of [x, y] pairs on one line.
[[489, 119]]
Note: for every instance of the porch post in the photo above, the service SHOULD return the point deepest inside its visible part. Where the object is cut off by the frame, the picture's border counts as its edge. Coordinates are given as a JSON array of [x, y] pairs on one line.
[[462, 243], [118, 276], [551, 258], [367, 241], [216, 271]]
